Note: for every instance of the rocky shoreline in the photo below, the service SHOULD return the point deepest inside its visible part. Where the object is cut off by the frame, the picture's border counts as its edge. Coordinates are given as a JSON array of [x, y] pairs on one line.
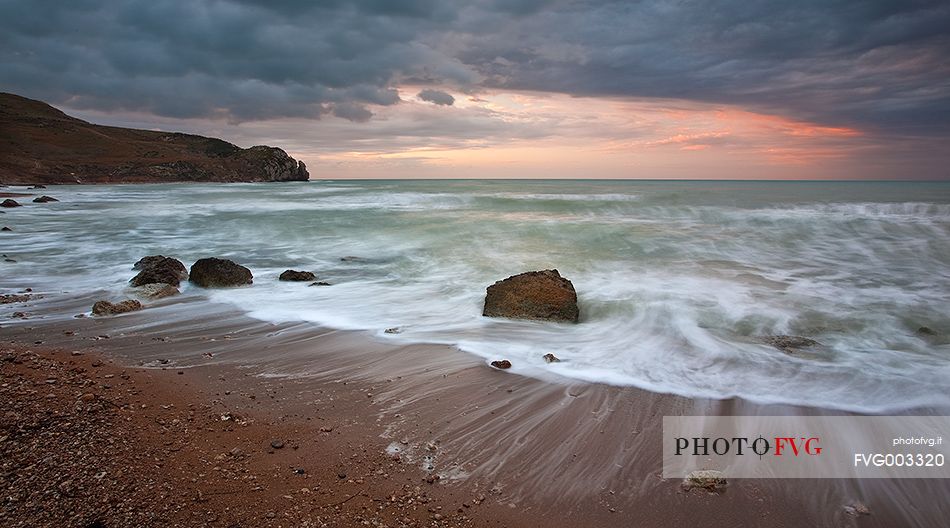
[[534, 295]]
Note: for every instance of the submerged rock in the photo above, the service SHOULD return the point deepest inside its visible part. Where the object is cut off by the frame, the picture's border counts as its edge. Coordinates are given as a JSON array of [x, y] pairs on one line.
[[159, 269], [393, 330], [108, 308], [38, 186], [503, 364], [297, 276], [9, 202], [789, 343], [217, 273], [708, 479], [157, 290], [45, 199], [543, 295], [551, 358], [321, 283], [931, 336], [5, 228]]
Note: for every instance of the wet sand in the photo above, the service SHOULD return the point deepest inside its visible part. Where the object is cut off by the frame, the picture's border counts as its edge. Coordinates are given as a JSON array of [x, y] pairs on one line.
[[483, 447]]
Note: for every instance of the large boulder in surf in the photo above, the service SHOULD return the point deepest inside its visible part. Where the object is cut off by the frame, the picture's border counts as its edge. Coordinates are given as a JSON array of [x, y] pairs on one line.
[[108, 308], [544, 295], [159, 269], [218, 273], [297, 276], [45, 199], [9, 202]]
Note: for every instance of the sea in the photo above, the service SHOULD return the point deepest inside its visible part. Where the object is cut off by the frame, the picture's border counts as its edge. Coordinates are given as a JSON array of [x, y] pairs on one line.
[[679, 283]]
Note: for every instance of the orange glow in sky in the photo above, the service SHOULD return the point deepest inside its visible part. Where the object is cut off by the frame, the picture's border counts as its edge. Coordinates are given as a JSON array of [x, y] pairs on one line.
[[550, 135], [542, 135]]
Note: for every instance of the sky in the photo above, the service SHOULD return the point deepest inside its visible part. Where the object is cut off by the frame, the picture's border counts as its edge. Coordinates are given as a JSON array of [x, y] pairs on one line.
[[760, 89]]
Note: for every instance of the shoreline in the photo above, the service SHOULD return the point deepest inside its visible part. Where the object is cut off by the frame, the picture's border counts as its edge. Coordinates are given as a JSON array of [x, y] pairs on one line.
[[541, 452]]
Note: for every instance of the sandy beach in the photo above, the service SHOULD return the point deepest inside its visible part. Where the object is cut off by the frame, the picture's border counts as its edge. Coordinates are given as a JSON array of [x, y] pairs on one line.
[[172, 416]]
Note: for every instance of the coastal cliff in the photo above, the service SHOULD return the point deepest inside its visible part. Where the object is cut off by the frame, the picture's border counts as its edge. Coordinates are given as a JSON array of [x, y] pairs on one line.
[[40, 144]]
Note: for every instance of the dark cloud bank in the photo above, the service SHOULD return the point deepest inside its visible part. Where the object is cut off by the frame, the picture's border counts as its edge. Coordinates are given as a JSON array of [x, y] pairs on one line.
[[878, 65]]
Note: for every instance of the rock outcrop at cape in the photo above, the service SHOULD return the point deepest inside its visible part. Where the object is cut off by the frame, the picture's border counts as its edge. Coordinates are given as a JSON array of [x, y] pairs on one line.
[[544, 295], [41, 145]]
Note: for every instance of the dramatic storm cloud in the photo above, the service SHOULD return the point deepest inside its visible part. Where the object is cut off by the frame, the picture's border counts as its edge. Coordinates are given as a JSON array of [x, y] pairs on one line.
[[848, 69], [881, 63], [858, 62], [239, 60]]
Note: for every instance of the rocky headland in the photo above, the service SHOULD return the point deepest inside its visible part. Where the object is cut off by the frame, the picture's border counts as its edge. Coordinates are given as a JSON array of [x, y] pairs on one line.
[[42, 145]]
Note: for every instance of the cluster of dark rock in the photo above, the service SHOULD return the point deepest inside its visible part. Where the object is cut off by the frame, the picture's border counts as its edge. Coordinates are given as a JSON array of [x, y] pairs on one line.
[[535, 295], [159, 277], [10, 202]]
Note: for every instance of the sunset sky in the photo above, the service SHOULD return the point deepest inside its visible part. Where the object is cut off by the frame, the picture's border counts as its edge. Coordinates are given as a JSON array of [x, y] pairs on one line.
[[510, 89]]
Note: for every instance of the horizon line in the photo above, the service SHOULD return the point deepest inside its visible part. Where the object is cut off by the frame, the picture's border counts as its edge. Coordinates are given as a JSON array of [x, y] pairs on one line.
[[761, 180]]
